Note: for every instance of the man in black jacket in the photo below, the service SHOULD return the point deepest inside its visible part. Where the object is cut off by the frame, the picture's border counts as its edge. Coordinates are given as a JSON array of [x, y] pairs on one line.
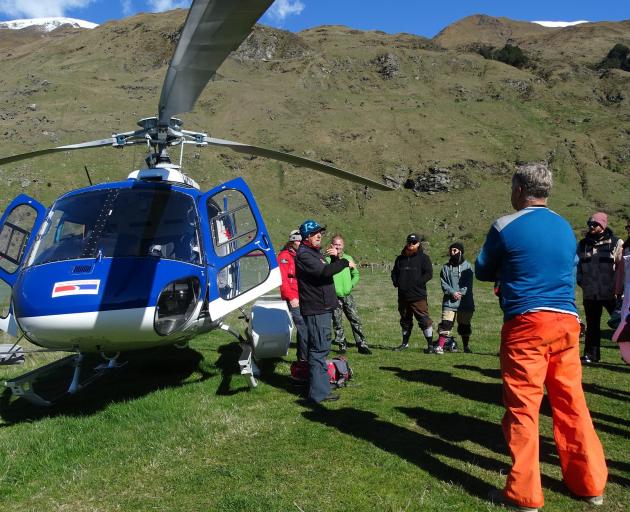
[[410, 274], [318, 300]]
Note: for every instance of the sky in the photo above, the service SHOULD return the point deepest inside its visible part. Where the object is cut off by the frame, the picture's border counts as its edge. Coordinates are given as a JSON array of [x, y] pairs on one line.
[[422, 17]]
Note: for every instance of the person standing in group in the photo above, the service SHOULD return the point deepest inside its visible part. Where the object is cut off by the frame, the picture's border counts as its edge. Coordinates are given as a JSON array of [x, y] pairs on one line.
[[598, 253], [317, 302], [456, 279], [345, 281], [412, 270], [289, 290], [532, 252]]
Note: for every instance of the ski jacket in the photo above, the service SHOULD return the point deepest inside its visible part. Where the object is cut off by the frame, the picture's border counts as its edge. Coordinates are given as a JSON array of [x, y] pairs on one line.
[[597, 263], [289, 286], [315, 280]]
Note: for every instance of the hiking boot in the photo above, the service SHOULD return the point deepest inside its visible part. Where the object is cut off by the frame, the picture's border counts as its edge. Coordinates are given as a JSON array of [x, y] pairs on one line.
[[363, 349], [497, 497], [593, 500], [467, 350], [343, 348], [403, 346]]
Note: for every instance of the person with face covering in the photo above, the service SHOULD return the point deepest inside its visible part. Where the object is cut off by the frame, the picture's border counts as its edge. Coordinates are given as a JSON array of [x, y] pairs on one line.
[[412, 270], [599, 253], [456, 279], [318, 300]]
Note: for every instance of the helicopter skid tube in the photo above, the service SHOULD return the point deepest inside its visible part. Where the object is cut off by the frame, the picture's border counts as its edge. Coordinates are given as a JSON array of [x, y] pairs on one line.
[[25, 385]]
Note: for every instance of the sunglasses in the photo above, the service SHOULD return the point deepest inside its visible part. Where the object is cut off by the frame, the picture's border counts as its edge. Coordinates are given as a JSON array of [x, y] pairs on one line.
[[592, 224]]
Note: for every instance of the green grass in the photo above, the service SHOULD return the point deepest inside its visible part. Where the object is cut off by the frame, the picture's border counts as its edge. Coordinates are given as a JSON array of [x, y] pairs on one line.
[[178, 430]]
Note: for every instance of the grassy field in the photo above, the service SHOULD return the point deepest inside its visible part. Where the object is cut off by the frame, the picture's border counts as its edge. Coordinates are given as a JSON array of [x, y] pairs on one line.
[[178, 430]]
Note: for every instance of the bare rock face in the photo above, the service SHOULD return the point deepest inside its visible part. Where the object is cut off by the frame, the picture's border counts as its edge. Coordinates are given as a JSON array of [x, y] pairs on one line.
[[266, 43], [436, 179], [388, 65]]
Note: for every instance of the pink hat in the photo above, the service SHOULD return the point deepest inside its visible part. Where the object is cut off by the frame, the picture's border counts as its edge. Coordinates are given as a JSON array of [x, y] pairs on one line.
[[601, 218]]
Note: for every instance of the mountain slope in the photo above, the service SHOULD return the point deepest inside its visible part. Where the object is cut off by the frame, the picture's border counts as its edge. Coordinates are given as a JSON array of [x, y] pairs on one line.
[[450, 124]]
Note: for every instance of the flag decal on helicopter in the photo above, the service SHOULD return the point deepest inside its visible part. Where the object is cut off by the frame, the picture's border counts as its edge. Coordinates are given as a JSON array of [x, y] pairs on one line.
[[82, 287]]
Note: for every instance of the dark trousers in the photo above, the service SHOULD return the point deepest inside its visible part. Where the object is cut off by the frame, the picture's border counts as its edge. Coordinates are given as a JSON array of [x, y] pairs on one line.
[[593, 310], [319, 337], [410, 309], [348, 306], [302, 333]]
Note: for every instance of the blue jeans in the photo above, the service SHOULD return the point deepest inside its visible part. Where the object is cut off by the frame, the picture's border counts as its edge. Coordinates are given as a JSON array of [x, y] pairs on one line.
[[302, 333], [319, 337]]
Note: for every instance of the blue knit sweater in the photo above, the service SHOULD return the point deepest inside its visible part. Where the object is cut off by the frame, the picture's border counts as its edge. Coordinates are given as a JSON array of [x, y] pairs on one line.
[[532, 254]]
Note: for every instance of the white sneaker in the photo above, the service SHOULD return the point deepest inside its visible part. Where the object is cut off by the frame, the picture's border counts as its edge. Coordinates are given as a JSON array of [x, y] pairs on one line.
[[438, 350], [593, 500]]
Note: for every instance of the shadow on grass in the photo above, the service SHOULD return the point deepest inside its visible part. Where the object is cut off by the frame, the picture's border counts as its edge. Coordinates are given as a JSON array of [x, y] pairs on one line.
[[227, 363], [485, 392], [146, 371], [426, 452], [419, 449], [615, 394], [457, 427]]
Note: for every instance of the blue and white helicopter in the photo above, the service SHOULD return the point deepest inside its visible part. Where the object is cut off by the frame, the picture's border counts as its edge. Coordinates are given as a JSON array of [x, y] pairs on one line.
[[151, 260]]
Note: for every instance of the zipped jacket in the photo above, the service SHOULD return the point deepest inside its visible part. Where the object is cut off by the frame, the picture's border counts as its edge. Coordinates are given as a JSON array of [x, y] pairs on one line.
[[411, 274], [457, 278], [315, 280], [596, 266], [289, 286]]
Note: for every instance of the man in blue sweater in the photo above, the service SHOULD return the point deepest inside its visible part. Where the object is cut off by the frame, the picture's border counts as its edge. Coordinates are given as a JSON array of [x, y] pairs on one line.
[[532, 253]]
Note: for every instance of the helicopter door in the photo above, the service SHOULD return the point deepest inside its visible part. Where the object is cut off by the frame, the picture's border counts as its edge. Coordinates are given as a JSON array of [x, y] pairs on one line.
[[241, 262], [20, 222]]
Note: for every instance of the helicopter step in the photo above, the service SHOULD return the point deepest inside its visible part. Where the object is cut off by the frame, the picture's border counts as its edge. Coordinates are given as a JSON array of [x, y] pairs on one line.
[[11, 353], [33, 388]]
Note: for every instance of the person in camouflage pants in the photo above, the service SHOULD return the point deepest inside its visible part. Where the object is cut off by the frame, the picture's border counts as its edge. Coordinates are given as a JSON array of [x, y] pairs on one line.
[[345, 281]]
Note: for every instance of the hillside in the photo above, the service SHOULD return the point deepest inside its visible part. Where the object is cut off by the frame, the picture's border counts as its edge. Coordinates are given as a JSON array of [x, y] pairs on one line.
[[428, 113]]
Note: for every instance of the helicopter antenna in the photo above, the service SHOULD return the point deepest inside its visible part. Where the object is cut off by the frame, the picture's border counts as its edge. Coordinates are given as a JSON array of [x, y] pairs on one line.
[[88, 174]]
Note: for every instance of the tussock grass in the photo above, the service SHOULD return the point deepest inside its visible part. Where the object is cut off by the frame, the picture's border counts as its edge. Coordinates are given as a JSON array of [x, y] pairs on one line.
[[178, 430]]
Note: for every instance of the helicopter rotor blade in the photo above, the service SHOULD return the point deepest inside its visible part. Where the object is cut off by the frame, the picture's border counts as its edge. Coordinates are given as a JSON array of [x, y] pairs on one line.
[[212, 30], [296, 160], [70, 147]]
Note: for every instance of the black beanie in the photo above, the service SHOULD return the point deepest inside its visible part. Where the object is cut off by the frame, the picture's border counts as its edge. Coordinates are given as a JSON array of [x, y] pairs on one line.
[[457, 245]]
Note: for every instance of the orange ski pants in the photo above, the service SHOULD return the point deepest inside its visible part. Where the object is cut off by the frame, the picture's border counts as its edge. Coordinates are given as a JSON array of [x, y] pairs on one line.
[[541, 349]]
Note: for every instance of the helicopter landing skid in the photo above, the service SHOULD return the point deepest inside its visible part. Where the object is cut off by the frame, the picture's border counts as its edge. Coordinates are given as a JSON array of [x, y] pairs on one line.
[[248, 365], [30, 385], [246, 361]]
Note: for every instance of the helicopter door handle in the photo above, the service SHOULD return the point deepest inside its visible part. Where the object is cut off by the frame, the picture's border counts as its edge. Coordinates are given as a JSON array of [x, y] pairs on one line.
[[265, 243]]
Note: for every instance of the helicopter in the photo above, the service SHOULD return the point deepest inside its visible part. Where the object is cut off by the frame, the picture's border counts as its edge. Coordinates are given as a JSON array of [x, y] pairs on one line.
[[152, 260]]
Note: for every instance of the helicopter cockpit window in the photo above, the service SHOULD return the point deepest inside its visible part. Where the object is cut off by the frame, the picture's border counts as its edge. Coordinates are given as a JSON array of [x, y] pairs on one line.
[[159, 223], [243, 274], [232, 221], [14, 234]]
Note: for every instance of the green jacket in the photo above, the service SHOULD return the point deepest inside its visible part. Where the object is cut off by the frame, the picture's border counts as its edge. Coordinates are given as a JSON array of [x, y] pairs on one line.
[[345, 280]]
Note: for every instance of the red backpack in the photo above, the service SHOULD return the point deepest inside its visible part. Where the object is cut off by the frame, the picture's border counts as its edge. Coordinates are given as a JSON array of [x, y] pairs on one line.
[[339, 371]]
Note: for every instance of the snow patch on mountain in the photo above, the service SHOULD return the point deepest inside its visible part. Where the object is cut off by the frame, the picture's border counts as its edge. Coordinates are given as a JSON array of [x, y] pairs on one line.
[[46, 24], [559, 23]]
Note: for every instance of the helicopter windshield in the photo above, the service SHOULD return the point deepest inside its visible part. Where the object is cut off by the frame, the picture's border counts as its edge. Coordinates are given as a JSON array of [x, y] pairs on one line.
[[120, 222]]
